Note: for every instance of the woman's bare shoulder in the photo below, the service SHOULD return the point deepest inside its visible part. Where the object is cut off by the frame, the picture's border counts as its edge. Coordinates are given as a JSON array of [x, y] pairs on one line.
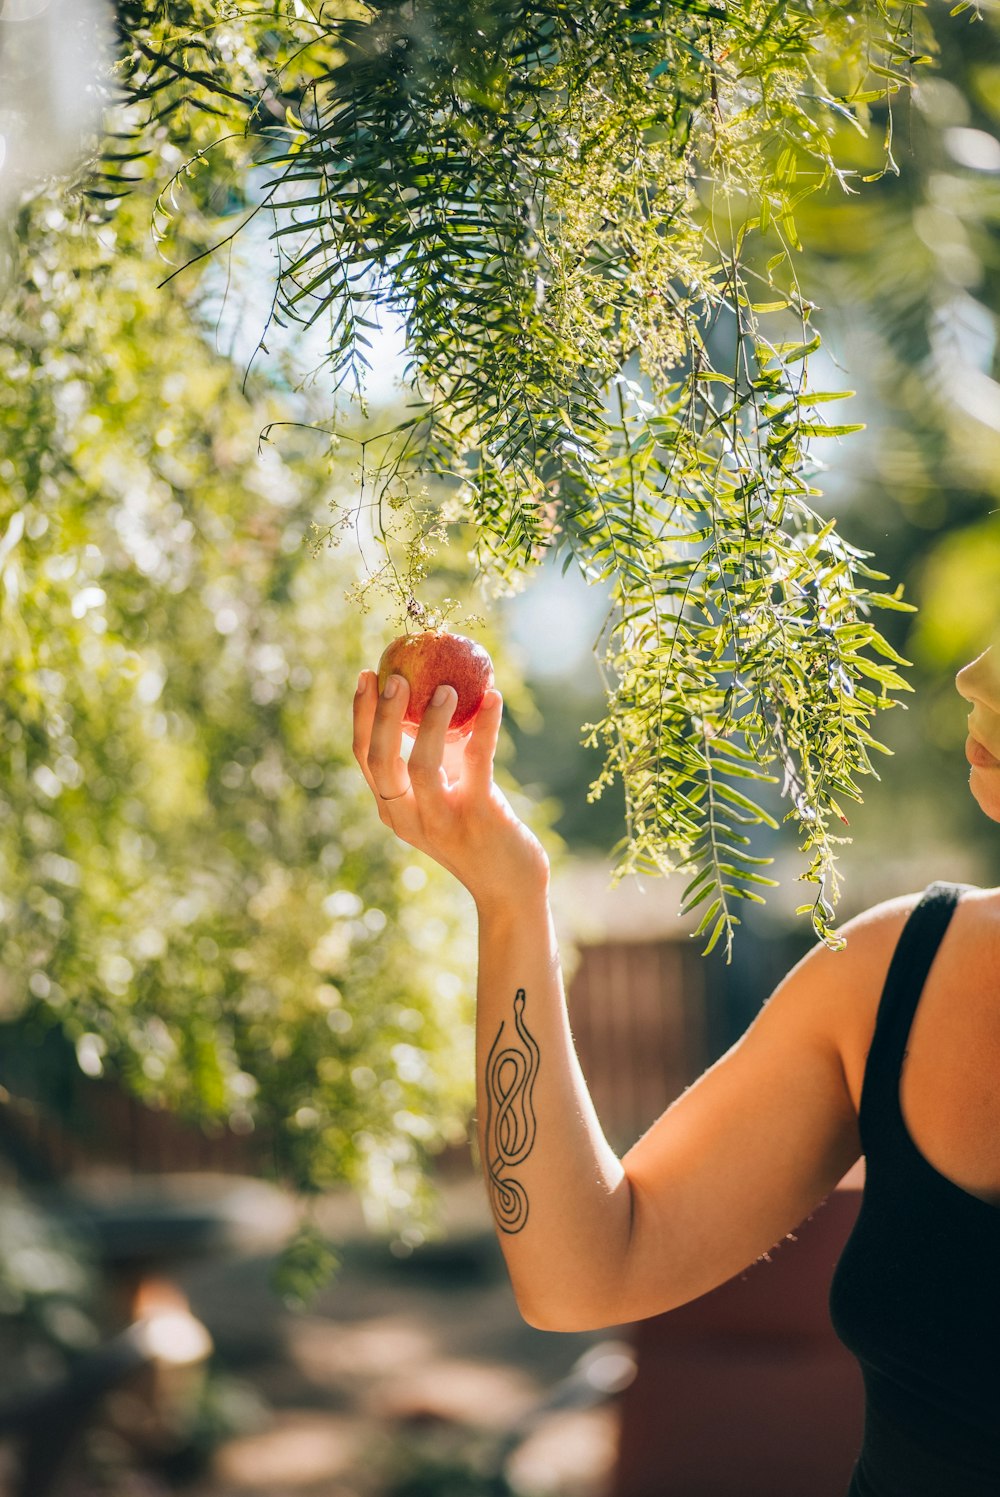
[[871, 937], [857, 973], [857, 966]]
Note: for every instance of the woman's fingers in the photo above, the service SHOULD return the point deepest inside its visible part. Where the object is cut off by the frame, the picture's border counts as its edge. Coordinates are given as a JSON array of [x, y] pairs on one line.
[[426, 764], [365, 699], [477, 771], [435, 764], [386, 766], [454, 759]]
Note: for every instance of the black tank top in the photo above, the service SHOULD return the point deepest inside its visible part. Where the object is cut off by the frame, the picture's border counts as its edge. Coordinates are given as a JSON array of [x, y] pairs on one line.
[[916, 1293]]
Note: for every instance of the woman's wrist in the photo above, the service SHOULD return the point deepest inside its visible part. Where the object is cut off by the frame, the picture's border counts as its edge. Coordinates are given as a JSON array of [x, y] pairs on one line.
[[506, 906]]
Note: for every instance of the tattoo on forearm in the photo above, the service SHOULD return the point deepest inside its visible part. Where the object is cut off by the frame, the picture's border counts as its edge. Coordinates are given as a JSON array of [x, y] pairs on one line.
[[510, 1118]]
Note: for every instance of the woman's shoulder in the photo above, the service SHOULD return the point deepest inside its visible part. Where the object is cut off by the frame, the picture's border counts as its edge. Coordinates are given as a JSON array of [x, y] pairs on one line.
[[836, 991], [858, 971], [870, 938], [831, 996], [856, 967]]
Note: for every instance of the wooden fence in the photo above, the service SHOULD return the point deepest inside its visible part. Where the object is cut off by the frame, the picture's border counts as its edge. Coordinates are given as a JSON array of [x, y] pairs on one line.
[[637, 1011]]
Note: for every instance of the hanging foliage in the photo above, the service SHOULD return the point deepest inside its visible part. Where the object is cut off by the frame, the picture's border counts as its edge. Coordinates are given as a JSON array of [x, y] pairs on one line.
[[585, 216]]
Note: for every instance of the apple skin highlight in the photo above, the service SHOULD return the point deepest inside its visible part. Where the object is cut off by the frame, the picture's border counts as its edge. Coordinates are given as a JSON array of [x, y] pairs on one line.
[[436, 658]]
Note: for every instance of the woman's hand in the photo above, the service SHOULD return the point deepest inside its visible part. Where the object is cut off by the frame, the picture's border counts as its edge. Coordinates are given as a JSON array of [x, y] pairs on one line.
[[444, 800]]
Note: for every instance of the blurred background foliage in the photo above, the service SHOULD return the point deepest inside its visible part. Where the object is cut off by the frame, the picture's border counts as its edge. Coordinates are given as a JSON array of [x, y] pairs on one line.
[[908, 278], [195, 888]]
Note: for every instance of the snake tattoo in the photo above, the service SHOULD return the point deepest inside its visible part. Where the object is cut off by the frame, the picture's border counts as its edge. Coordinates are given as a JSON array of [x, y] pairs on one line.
[[510, 1118]]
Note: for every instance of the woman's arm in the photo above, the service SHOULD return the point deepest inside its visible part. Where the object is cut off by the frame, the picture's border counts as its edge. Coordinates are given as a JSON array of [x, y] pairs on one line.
[[736, 1163], [561, 1199], [559, 1195], [723, 1175]]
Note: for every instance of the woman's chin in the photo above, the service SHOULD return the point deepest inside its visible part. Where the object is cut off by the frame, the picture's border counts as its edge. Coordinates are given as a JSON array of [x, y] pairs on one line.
[[985, 787]]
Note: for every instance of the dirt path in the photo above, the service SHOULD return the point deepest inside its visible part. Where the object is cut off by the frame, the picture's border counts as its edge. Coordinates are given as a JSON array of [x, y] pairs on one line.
[[402, 1377]]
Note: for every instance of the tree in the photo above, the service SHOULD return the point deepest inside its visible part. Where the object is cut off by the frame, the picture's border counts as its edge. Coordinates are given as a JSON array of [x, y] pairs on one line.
[[586, 216]]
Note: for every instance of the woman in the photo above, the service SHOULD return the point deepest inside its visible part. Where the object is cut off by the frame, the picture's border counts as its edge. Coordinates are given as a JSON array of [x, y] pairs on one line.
[[841, 1061]]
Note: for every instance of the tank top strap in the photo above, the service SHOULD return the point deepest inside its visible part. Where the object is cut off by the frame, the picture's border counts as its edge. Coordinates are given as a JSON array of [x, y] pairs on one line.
[[911, 961]]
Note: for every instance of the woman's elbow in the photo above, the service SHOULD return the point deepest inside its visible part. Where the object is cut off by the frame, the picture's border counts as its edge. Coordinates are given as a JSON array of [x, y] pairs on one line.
[[551, 1315]]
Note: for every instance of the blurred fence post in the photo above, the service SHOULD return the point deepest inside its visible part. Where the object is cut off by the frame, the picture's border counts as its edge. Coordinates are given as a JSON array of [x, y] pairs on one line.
[[637, 1010]]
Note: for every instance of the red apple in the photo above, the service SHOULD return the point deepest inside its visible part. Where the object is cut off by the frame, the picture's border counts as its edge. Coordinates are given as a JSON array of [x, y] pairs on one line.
[[426, 661]]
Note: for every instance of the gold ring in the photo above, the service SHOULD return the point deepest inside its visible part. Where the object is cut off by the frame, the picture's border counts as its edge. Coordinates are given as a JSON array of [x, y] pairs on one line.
[[386, 798]]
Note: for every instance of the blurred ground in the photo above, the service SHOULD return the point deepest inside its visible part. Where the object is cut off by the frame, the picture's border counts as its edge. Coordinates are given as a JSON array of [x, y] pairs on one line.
[[402, 1375]]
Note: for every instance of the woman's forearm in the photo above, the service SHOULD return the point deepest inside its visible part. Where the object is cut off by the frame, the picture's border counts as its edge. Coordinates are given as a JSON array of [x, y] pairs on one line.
[[560, 1197], [561, 1200]]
